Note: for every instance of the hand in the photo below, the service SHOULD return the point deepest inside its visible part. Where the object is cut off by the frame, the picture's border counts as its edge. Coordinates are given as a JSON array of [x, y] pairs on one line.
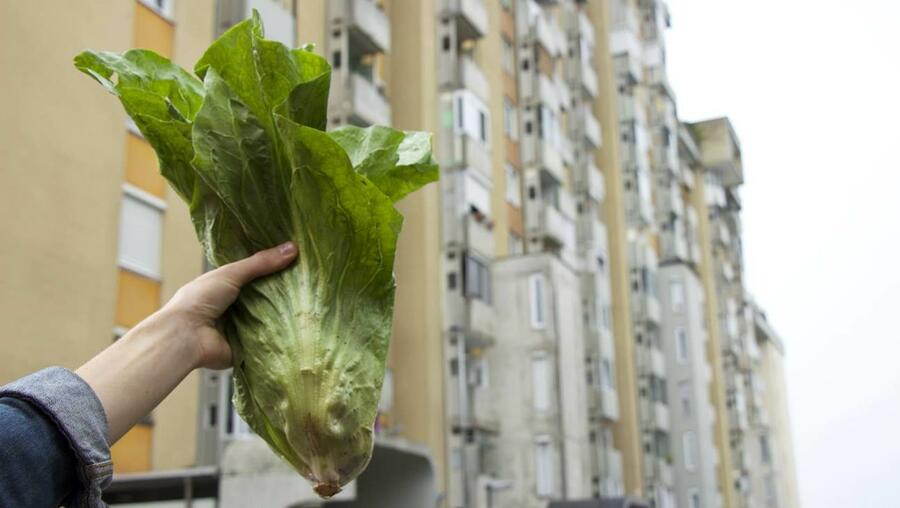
[[195, 307]]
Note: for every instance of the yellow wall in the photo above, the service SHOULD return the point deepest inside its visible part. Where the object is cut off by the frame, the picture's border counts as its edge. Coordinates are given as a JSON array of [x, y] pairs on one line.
[[626, 433], [416, 353], [713, 348], [131, 454], [137, 298], [152, 31], [141, 167]]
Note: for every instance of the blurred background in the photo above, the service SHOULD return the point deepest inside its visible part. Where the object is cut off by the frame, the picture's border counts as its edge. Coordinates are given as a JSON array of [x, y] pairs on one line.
[[657, 271]]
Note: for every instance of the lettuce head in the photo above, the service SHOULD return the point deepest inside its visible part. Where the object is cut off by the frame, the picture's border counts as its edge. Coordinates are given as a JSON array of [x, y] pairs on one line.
[[244, 144]]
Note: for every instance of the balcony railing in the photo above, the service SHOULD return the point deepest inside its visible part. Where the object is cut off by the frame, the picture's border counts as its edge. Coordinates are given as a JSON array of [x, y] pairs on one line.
[[657, 363], [470, 153], [471, 15], [589, 80], [596, 183], [557, 227], [368, 24], [550, 160], [368, 102], [592, 129], [646, 308], [660, 416], [480, 238], [549, 35]]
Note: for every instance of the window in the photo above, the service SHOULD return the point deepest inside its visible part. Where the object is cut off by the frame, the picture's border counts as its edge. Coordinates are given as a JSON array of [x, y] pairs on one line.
[[607, 378], [771, 492], [507, 56], [477, 279], [510, 120], [694, 498], [536, 297], [689, 440], [681, 344], [513, 189], [211, 416], [684, 397], [140, 232], [543, 467], [482, 126], [460, 113], [676, 295], [162, 7], [540, 380], [479, 376], [764, 449]]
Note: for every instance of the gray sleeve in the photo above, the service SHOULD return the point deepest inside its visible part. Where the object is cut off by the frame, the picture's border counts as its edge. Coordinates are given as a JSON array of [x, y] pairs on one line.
[[75, 409]]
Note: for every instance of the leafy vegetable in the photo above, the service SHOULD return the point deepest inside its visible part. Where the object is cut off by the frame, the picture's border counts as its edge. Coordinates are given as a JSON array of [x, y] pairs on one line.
[[246, 149]]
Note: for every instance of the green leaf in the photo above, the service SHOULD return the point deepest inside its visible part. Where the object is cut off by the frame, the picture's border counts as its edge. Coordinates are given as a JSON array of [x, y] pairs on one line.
[[396, 162], [161, 98], [262, 73]]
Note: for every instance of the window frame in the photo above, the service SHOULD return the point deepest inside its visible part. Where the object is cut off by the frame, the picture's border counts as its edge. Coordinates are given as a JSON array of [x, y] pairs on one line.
[[142, 198], [536, 301], [682, 345], [544, 470]]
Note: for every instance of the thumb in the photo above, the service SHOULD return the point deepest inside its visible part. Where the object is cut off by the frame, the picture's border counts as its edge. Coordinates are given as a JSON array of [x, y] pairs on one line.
[[262, 263]]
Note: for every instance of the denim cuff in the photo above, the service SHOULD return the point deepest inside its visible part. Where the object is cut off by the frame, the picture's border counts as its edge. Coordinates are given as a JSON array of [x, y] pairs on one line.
[[75, 409]]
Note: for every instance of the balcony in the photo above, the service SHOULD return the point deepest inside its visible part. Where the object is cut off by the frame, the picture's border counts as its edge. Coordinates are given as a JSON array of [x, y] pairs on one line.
[[368, 25], [471, 154], [479, 237], [664, 472], [359, 99], [646, 308], [603, 403], [548, 35], [464, 73], [557, 228], [589, 80], [599, 245], [657, 363], [674, 246], [592, 129], [596, 184], [566, 150], [584, 28], [471, 15], [481, 322], [549, 159], [660, 414], [671, 202]]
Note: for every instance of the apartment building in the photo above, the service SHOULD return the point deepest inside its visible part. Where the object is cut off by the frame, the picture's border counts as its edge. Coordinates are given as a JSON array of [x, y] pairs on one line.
[[570, 324]]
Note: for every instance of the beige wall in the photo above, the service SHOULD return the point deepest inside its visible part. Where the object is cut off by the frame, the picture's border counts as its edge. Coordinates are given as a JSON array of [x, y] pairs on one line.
[[626, 432], [61, 167], [416, 353], [772, 372], [61, 171], [713, 348]]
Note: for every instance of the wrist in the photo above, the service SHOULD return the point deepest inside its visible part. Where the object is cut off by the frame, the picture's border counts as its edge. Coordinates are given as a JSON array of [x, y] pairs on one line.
[[170, 335]]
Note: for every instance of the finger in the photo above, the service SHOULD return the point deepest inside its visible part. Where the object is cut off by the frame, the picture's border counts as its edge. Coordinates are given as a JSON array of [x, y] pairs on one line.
[[262, 263]]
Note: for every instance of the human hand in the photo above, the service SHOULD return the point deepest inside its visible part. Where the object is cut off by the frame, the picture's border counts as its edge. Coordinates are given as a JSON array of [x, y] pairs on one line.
[[197, 305]]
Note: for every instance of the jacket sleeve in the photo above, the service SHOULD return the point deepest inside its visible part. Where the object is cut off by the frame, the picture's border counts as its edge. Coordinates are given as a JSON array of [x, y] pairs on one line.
[[55, 428]]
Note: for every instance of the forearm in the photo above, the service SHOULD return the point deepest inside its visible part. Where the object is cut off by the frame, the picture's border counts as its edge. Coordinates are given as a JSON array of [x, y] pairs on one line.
[[133, 375]]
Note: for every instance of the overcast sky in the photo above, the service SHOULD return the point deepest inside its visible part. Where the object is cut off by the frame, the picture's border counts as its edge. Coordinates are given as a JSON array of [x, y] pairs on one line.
[[813, 88]]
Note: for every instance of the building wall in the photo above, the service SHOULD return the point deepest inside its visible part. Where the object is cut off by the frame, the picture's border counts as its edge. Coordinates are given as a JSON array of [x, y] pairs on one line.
[[688, 371], [519, 341], [68, 163]]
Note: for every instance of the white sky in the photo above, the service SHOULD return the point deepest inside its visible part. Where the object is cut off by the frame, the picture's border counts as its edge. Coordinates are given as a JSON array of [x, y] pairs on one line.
[[812, 87]]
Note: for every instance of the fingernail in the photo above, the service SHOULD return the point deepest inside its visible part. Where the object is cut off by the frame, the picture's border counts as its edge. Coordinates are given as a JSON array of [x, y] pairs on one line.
[[287, 248]]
